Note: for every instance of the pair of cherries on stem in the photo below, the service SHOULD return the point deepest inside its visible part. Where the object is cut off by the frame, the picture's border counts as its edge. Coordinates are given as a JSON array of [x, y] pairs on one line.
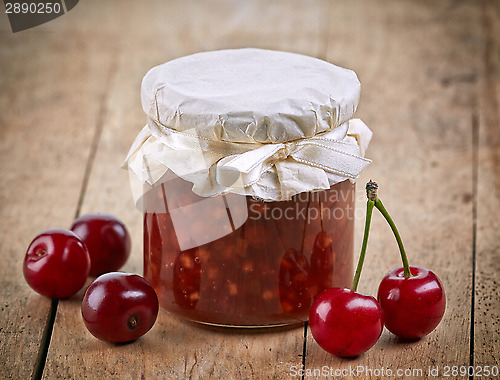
[[411, 302]]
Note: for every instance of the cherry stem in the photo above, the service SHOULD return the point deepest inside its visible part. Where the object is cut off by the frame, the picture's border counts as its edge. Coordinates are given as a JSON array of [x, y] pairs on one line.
[[357, 275], [404, 258]]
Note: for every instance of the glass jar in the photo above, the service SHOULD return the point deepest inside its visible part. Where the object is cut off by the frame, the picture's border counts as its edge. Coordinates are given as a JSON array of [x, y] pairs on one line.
[[244, 172], [265, 269]]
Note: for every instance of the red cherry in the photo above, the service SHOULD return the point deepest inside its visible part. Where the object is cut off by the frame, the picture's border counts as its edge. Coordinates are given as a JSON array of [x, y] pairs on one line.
[[412, 306], [56, 264], [345, 323], [107, 240], [119, 307]]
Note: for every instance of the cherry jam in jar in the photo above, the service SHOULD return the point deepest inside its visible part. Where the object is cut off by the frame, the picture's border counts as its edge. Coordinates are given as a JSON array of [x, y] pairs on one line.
[[233, 260]]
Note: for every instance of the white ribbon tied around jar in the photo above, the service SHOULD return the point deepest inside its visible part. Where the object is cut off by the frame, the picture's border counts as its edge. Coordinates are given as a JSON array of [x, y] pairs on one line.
[[267, 171]]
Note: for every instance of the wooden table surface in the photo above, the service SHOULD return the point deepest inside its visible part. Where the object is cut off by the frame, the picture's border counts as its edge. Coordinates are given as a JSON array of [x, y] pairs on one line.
[[70, 108]]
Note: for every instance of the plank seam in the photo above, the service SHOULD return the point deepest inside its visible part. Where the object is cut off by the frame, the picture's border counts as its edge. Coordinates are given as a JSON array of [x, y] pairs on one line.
[[45, 342], [325, 48], [304, 348], [325, 57], [475, 168], [49, 326], [96, 138], [489, 109]]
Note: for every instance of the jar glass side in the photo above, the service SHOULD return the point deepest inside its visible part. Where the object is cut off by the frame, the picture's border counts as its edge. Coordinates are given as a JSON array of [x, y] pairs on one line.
[[236, 261]]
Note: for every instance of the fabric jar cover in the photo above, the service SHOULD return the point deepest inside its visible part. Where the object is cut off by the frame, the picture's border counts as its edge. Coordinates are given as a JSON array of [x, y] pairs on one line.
[[255, 122]]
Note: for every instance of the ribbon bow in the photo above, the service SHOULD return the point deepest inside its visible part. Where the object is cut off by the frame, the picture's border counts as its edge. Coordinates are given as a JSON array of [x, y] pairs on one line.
[[333, 156], [215, 167]]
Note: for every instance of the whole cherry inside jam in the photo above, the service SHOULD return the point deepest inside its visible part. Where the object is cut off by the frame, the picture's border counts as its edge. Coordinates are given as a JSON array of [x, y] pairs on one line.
[[119, 307], [322, 262], [295, 295], [56, 264], [107, 240], [264, 262]]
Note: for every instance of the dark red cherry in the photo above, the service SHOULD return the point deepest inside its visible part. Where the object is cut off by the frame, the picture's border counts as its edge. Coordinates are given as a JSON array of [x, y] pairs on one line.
[[119, 307], [56, 264], [107, 240], [345, 323], [294, 282], [412, 307]]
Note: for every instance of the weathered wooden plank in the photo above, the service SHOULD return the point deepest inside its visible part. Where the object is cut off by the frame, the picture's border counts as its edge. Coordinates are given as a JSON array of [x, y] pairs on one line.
[[47, 121], [487, 301], [418, 65], [419, 69], [175, 348]]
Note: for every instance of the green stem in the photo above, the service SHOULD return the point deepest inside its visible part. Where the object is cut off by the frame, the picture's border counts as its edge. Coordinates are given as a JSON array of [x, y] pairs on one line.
[[369, 209], [404, 258]]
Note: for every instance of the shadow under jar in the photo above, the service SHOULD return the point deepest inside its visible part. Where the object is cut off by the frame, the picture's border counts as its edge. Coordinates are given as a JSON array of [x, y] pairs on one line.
[[273, 259]]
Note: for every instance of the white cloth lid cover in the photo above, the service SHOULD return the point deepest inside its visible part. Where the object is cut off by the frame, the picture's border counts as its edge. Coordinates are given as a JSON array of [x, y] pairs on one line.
[[249, 121]]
